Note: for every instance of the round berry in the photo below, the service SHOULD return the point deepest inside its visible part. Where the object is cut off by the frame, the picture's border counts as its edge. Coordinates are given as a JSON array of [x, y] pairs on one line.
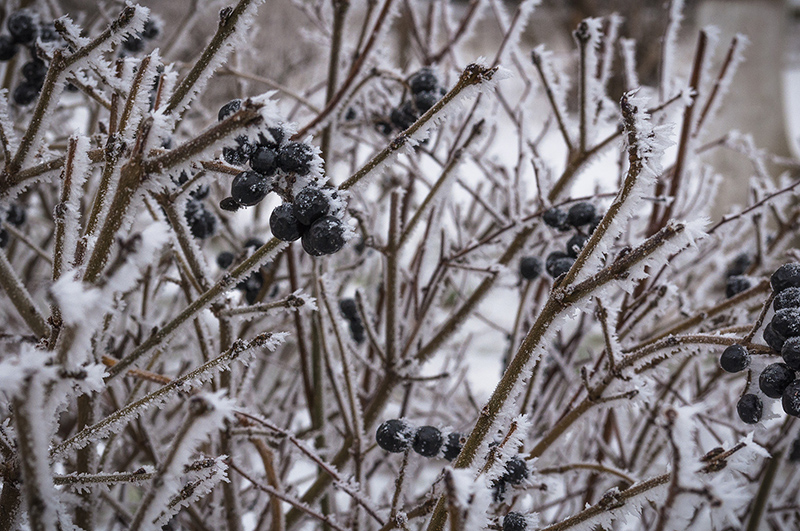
[[133, 44], [774, 379], [152, 29], [530, 267], [201, 222], [25, 93], [394, 435], [253, 243], [516, 471], [575, 244], [228, 109], [296, 157], [739, 265], [788, 298], [249, 188], [735, 358], [252, 283], [324, 236], [284, 224], [275, 139], [786, 322], [750, 408], [580, 214], [225, 259], [786, 276], [556, 218], [35, 71], [428, 441], [201, 192], [239, 155], [558, 263], [8, 48], [383, 127], [453, 445], [16, 215], [791, 353], [423, 80], [357, 331], [425, 100], [404, 116], [264, 160], [773, 338], [349, 309], [515, 522], [48, 33], [735, 285], [22, 26], [790, 400], [229, 204], [310, 205]]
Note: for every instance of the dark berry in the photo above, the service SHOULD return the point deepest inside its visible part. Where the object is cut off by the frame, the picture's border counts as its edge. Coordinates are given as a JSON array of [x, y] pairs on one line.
[[48, 33], [556, 218], [499, 489], [404, 116], [739, 265], [229, 204], [201, 222], [296, 157], [152, 29], [558, 263], [786, 322], [791, 353], [580, 214], [284, 224], [516, 471], [530, 267], [225, 259], [349, 309], [773, 338], [22, 26], [133, 44], [3, 238], [228, 109], [310, 205], [16, 215], [26, 93], [8, 48], [35, 71], [252, 283], [453, 445], [394, 435], [575, 244], [428, 441], [350, 114], [794, 453], [790, 400], [735, 358], [786, 276], [423, 80], [750, 408], [515, 522], [275, 139], [357, 331], [324, 236], [201, 192], [775, 379], [384, 128], [425, 100], [264, 160], [788, 298], [249, 188], [735, 285], [253, 243]]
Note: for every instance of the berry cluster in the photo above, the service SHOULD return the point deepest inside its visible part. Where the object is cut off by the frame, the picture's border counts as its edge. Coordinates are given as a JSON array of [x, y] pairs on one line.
[[15, 216], [136, 43], [350, 312], [311, 218], [202, 222], [23, 29], [579, 215], [782, 334], [425, 92], [514, 521], [397, 435], [736, 281], [516, 471]]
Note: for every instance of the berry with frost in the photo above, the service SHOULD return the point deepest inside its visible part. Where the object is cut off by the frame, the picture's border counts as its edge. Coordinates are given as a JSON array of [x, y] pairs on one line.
[[349, 309], [791, 353], [240, 155], [275, 138], [739, 265], [25, 93], [22, 26], [404, 116], [580, 214], [310, 205], [516, 471], [735, 358], [786, 276], [394, 435], [453, 445], [48, 33], [229, 204], [773, 338], [295, 157], [788, 298], [786, 322], [750, 408], [530, 267], [425, 100], [264, 160], [133, 44], [423, 80], [228, 109], [575, 244], [201, 222], [774, 379], [225, 259], [428, 441], [249, 188], [251, 286], [558, 263], [324, 236], [284, 224], [735, 285], [790, 400], [34, 72], [556, 218], [515, 522], [794, 453]]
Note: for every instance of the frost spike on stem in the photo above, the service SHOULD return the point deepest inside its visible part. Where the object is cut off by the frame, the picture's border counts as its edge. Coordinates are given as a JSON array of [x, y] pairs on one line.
[[21, 298]]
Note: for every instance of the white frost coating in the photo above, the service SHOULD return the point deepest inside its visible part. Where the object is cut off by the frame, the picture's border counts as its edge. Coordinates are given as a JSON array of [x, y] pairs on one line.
[[669, 52], [629, 63], [472, 497], [79, 171], [204, 482], [6, 124], [153, 238], [82, 309], [15, 369], [235, 39], [513, 35], [740, 44], [614, 22], [555, 78], [594, 87], [141, 98]]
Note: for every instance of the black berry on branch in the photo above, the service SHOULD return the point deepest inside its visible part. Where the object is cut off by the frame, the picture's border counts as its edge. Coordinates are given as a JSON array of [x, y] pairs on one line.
[[229, 204], [310, 205], [530, 267], [249, 188], [428, 441], [580, 214], [225, 259], [750, 408], [295, 157], [22, 26], [425, 100], [394, 435], [735, 285], [34, 72], [8, 48], [774, 379], [16, 215], [786, 276], [264, 160], [515, 522], [739, 265], [228, 109], [558, 263], [283, 223], [786, 322], [453, 445], [735, 358], [788, 298], [516, 471], [324, 236], [25, 93], [790, 400], [791, 353], [575, 244], [773, 338], [423, 80], [404, 116], [201, 222]]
